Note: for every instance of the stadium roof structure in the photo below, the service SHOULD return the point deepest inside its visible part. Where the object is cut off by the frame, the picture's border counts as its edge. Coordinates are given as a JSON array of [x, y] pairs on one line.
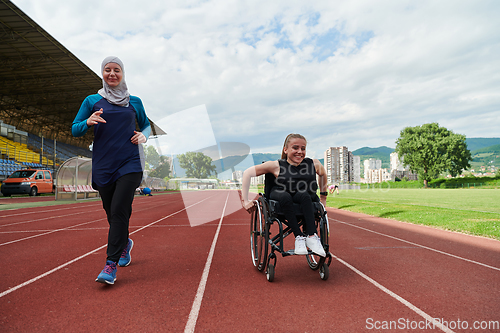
[[42, 84]]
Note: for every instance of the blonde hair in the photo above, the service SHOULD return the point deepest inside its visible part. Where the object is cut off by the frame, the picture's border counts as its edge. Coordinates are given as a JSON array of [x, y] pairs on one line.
[[287, 141]]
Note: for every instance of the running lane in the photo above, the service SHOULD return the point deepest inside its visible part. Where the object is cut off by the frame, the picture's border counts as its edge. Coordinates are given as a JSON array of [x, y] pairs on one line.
[[201, 278], [388, 275]]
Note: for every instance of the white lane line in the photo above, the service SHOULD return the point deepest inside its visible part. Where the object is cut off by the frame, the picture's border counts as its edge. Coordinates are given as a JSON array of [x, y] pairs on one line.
[[422, 246], [70, 228], [40, 211], [195, 309], [51, 230], [48, 218], [47, 233], [17, 215], [8, 291], [412, 307], [136, 226]]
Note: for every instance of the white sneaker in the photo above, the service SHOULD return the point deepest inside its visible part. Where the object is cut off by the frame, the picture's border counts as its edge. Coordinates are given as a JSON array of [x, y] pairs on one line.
[[314, 244], [300, 245]]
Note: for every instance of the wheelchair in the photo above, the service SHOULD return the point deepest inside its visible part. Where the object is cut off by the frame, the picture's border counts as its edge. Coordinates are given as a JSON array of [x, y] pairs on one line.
[[264, 244]]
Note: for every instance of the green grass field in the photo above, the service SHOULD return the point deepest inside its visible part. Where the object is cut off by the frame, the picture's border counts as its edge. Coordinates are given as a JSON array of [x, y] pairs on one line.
[[472, 211]]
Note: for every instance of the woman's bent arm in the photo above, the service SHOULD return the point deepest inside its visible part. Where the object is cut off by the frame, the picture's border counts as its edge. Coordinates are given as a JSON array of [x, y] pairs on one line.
[[255, 171]]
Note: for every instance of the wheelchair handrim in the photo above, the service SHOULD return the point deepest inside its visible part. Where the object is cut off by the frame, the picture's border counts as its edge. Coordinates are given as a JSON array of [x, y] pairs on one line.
[[256, 222]]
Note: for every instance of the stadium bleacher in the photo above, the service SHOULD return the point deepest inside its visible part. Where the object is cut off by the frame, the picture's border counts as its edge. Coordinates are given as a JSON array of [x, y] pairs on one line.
[[20, 152], [7, 167], [64, 151], [15, 155]]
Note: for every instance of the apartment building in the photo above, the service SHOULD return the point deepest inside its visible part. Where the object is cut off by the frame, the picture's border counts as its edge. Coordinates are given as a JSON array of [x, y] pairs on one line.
[[254, 181], [397, 163], [377, 175], [369, 165], [342, 167], [237, 175], [399, 170], [356, 169]]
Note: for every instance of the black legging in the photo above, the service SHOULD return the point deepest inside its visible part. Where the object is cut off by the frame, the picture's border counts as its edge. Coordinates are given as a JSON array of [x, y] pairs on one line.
[[305, 200], [117, 201]]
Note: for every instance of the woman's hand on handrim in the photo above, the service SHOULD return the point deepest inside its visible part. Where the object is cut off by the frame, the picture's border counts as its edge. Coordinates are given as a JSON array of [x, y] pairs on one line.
[[248, 205]]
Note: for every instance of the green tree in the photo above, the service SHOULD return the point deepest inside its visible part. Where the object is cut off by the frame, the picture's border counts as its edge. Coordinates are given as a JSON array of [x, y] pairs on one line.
[[152, 157], [430, 150], [161, 171], [197, 165]]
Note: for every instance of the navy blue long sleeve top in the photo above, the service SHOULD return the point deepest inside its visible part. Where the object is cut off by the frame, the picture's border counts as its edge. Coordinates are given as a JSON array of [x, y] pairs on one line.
[[113, 154]]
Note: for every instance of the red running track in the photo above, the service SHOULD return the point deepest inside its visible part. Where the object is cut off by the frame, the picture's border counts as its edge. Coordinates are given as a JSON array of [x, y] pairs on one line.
[[385, 274]]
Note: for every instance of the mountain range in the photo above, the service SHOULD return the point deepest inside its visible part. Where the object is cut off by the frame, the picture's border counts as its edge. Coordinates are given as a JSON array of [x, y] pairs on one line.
[[484, 151], [479, 148]]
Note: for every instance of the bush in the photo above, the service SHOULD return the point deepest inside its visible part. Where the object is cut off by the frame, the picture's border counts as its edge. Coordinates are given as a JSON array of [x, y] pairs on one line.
[[465, 182]]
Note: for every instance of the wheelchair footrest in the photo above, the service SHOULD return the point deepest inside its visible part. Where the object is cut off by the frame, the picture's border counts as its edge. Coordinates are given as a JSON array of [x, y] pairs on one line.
[[292, 253]]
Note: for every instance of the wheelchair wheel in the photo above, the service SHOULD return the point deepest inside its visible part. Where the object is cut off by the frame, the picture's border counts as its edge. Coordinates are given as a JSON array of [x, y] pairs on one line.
[[270, 273], [315, 261], [259, 234], [324, 272]]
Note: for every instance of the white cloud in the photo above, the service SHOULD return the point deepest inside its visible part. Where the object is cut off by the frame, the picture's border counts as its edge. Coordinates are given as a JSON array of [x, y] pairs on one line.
[[342, 73]]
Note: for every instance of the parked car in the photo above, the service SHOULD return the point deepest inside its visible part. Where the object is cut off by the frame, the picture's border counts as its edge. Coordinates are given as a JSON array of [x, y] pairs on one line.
[[28, 181]]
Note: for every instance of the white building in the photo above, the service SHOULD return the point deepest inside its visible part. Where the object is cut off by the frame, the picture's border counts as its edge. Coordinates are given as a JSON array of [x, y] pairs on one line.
[[377, 175], [397, 163], [399, 170], [237, 175], [356, 170], [257, 180], [371, 164], [341, 166]]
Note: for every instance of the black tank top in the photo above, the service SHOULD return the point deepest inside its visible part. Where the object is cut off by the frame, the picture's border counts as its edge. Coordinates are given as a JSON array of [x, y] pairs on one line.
[[300, 178]]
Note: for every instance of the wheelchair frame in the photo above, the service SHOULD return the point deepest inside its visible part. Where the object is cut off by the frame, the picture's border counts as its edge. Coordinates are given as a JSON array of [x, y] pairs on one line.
[[264, 245]]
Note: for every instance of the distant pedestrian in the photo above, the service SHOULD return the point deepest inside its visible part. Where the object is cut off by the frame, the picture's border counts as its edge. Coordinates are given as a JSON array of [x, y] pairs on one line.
[[332, 189]]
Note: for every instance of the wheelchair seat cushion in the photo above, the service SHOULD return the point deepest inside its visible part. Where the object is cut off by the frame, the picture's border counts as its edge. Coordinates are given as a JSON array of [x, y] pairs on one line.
[[275, 208]]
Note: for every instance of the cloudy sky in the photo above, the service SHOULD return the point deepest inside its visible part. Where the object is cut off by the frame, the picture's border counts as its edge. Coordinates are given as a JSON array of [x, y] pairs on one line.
[[342, 73]]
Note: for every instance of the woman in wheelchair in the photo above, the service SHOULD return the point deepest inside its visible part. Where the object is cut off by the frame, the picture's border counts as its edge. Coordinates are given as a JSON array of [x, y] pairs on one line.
[[295, 183]]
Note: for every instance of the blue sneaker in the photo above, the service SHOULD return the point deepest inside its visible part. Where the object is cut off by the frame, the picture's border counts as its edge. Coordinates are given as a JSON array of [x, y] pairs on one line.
[[108, 274], [125, 258]]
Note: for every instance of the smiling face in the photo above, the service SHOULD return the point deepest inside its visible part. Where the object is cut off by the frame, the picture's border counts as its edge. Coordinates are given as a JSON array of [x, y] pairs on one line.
[[295, 151], [112, 74]]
